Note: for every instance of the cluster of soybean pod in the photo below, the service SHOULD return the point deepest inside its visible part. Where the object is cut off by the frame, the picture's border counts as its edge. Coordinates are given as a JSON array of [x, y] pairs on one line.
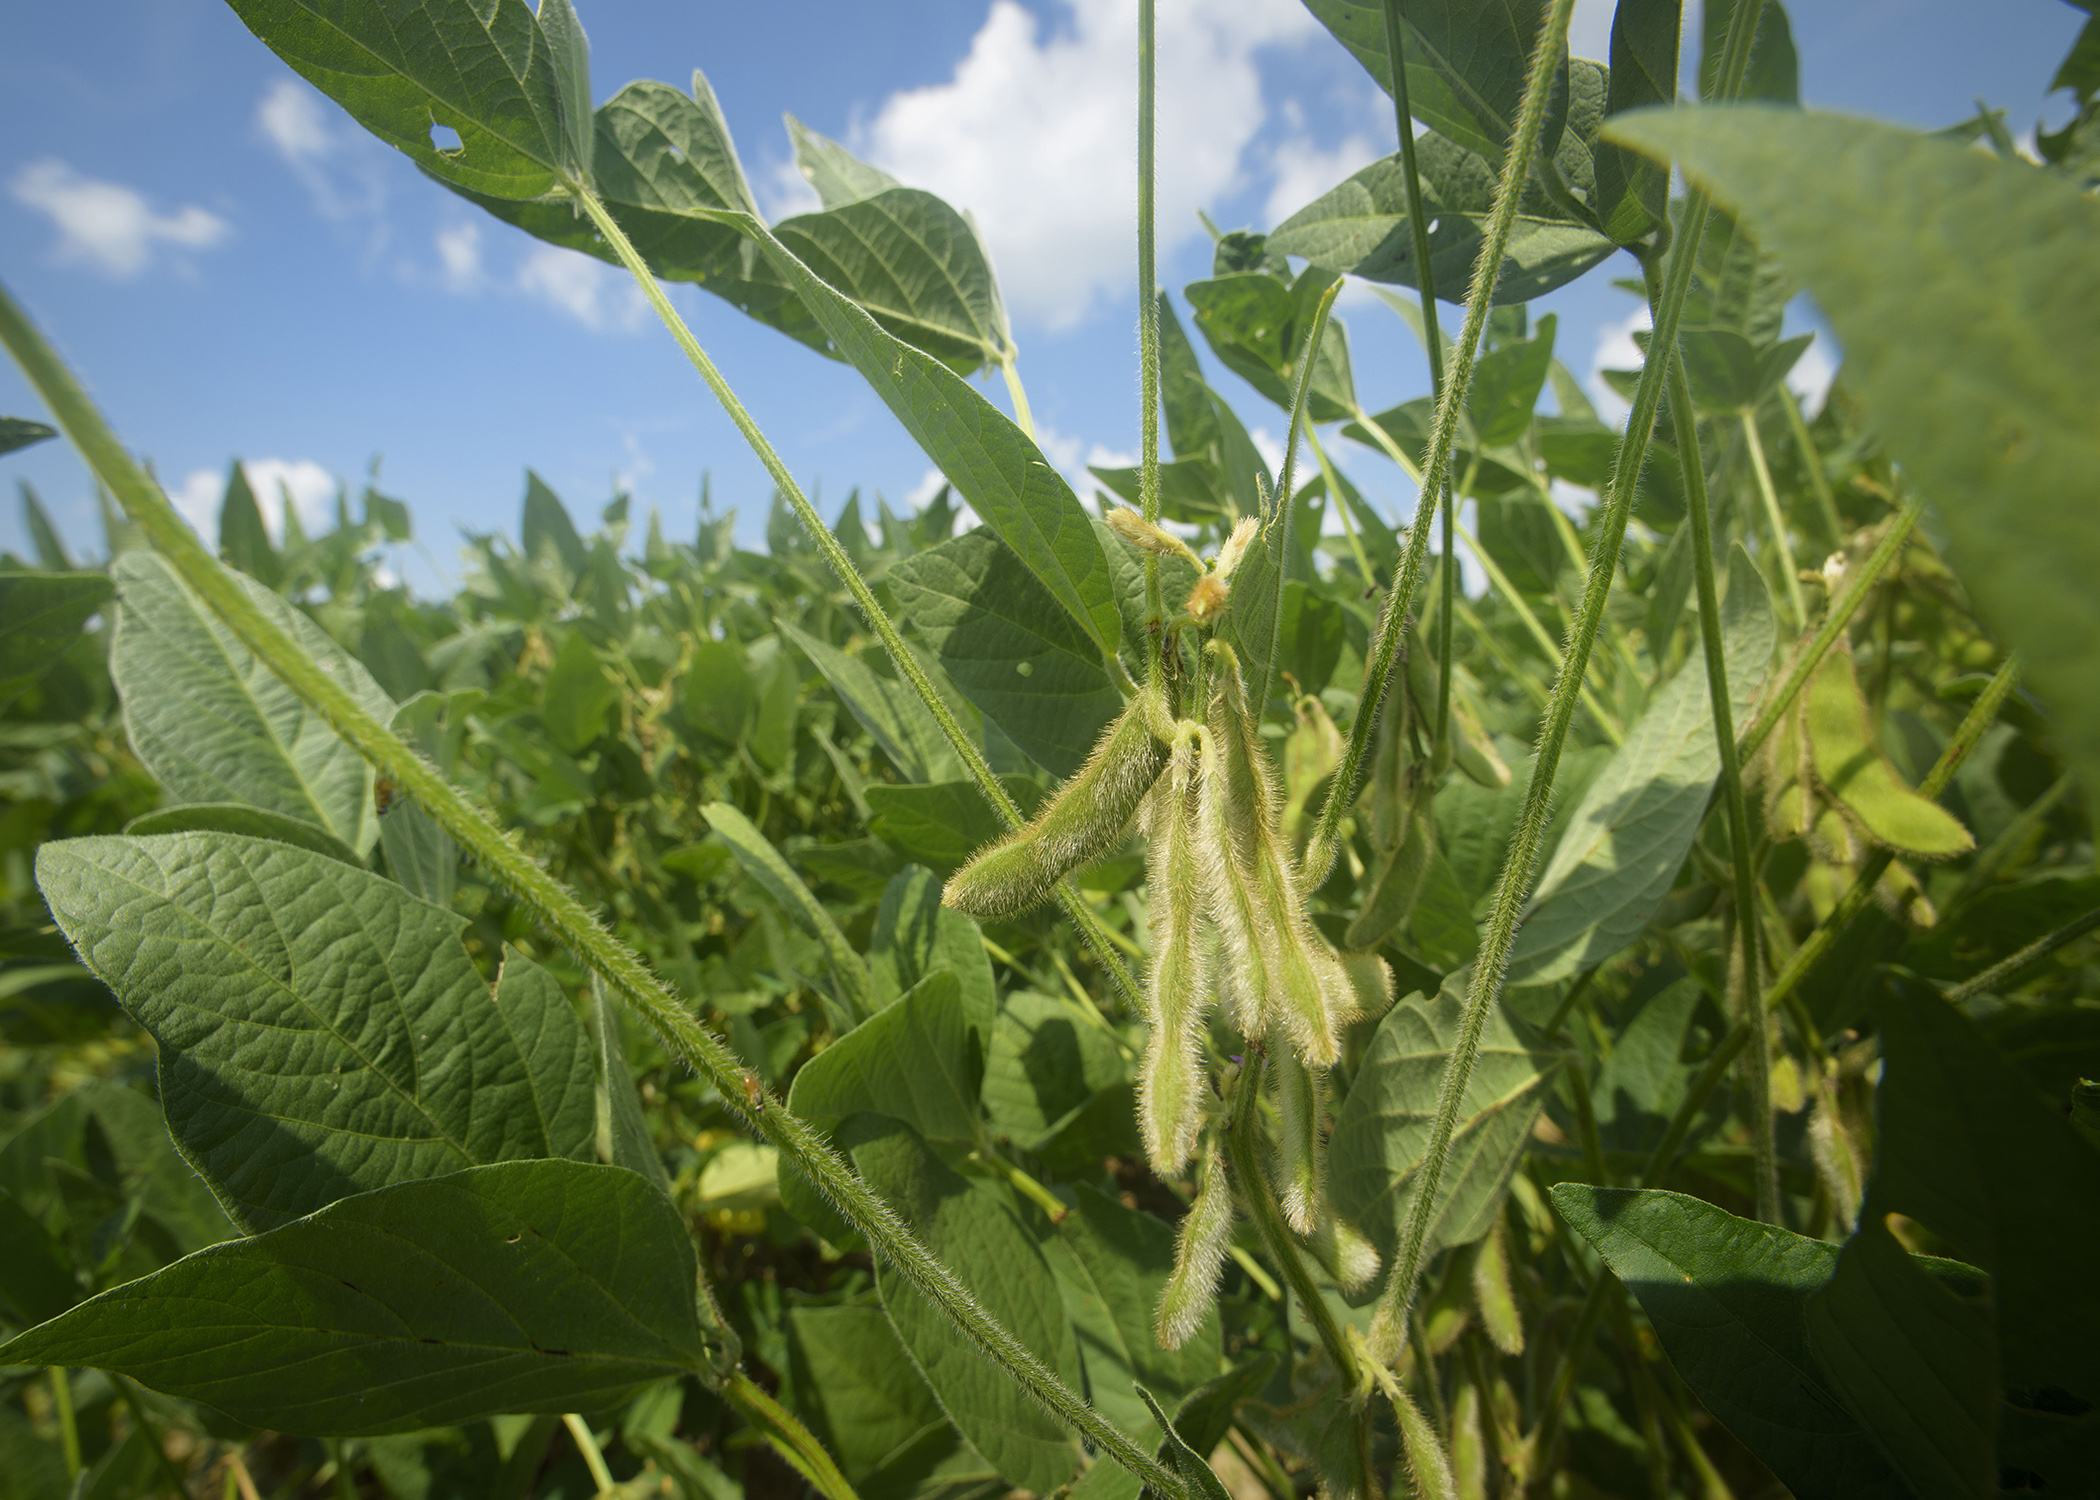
[[1227, 920]]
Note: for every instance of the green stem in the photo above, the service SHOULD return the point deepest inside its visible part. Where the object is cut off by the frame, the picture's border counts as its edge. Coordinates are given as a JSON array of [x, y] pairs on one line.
[[345, 1486], [1436, 465], [1859, 581], [2017, 832], [1023, 417], [1787, 566], [1491, 965], [2033, 953], [587, 1444], [553, 904], [1764, 1153], [1148, 326], [1342, 508], [68, 1425], [1503, 656], [1301, 392], [789, 1438], [834, 554], [1275, 1234], [1812, 461], [1613, 731]]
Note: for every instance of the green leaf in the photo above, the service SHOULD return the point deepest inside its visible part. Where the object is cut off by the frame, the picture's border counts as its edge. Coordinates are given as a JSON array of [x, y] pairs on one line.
[[942, 825], [920, 1061], [1008, 646], [1506, 386], [1190, 489], [521, 1287], [482, 68], [837, 174], [1643, 1081], [1632, 194], [1192, 427], [857, 1389], [1915, 1361], [546, 528], [1729, 373], [213, 724], [762, 862], [20, 432], [1852, 767], [1258, 323], [916, 936], [1045, 1064], [716, 696], [41, 615], [1728, 1298], [1361, 227], [36, 1275], [975, 1233], [622, 1134], [1635, 825], [243, 539], [1967, 1148], [419, 853], [1774, 66], [1383, 1125], [1112, 1263], [1970, 319], [251, 822], [580, 695], [321, 1032], [888, 709], [1188, 1463]]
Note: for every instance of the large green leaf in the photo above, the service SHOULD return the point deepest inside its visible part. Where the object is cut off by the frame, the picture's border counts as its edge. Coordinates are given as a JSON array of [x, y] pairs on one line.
[[1384, 1124], [1009, 648], [942, 825], [251, 822], [887, 708], [482, 68], [1361, 227], [213, 724], [920, 1061], [1635, 825], [763, 863], [858, 1391], [1641, 1084], [839, 176], [526, 1286], [40, 616], [1728, 1299], [1969, 311], [971, 1227], [916, 936], [1506, 385], [1631, 196], [1045, 1064], [1257, 323], [321, 1032]]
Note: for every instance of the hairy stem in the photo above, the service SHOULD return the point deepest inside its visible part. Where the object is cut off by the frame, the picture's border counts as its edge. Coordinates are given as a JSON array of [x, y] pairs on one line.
[[1436, 464], [1301, 392], [1812, 461], [2033, 953], [557, 908], [1764, 1154], [1023, 417], [1432, 340], [1492, 963], [788, 1437], [834, 554], [1148, 323], [1789, 569]]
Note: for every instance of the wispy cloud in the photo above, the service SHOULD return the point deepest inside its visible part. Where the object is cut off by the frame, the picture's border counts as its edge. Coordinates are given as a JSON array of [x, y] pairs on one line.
[[108, 225], [589, 291], [459, 256], [1303, 171], [310, 488], [342, 170]]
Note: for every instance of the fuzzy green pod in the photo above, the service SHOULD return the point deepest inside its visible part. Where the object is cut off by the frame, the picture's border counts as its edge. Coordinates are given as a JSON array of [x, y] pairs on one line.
[[1199, 1255], [1170, 1083], [1084, 822], [1427, 1463], [1306, 991], [1469, 1454], [1853, 769], [1300, 1167], [1243, 953], [1343, 1251], [1493, 1296]]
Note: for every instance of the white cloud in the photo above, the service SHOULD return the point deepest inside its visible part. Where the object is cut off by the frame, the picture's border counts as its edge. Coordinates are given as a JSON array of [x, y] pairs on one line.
[[459, 253], [1589, 29], [591, 292], [1304, 171], [341, 170], [1810, 378], [108, 225], [1035, 135], [312, 490], [1615, 350]]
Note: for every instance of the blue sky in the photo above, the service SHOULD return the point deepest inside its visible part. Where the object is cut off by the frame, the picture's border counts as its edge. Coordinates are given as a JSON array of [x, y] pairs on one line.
[[236, 269]]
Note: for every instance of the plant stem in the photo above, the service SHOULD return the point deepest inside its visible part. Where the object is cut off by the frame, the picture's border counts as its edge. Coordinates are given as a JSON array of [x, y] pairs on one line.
[[1811, 460], [1432, 341], [1436, 464], [2033, 953], [834, 554], [1148, 323], [1774, 707], [553, 904], [1787, 566], [1301, 392], [1023, 418], [68, 1425], [1764, 1152], [789, 1438], [1613, 731], [345, 1487], [1502, 654], [587, 1445], [1333, 481], [1492, 963]]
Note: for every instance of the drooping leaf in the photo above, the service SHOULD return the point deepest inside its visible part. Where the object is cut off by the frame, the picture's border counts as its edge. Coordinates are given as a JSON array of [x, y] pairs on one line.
[[1383, 1125], [971, 1228], [1635, 824], [887, 708], [920, 1061], [755, 852], [481, 68], [860, 1395], [1361, 227], [213, 724], [1009, 648], [1970, 320], [321, 1032], [41, 614], [520, 1287], [1728, 1299], [251, 822]]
